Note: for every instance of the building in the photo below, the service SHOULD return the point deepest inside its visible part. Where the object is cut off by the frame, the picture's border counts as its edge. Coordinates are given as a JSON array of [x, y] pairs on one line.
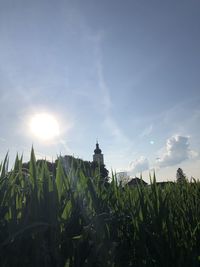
[[136, 181], [98, 156]]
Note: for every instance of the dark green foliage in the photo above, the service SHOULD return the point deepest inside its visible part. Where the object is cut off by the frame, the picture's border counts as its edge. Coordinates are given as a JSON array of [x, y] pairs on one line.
[[53, 218], [180, 176]]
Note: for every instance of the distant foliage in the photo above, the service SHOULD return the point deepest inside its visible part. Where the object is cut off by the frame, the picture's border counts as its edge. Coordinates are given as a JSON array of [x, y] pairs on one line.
[[53, 218], [180, 176], [70, 162]]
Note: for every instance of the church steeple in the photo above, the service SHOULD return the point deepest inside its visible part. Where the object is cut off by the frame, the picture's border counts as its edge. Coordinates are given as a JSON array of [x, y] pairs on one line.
[[97, 150], [98, 156]]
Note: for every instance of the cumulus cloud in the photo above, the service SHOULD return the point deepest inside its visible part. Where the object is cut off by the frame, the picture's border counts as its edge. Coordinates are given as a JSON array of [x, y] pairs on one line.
[[177, 150], [139, 165]]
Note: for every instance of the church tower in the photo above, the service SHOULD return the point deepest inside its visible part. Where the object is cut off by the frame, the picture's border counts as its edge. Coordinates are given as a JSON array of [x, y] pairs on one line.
[[98, 156]]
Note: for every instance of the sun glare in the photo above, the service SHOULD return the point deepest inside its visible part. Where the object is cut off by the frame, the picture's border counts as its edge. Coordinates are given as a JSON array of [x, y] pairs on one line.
[[44, 126]]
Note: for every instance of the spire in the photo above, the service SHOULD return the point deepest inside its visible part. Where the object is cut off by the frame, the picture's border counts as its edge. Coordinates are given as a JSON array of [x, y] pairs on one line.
[[97, 150], [98, 156]]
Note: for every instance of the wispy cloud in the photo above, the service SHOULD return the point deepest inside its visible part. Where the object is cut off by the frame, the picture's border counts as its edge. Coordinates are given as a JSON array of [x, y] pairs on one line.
[[147, 131], [105, 92], [106, 102]]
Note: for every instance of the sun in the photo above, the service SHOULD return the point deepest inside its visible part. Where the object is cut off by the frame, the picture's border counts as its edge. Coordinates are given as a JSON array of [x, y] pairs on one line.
[[44, 126]]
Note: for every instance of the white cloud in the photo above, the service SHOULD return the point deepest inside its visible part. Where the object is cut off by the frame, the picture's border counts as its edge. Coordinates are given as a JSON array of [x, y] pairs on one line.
[[139, 165], [177, 150]]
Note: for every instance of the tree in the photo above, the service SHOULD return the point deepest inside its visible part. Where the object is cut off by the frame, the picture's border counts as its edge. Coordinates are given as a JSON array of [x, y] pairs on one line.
[[180, 176], [103, 171]]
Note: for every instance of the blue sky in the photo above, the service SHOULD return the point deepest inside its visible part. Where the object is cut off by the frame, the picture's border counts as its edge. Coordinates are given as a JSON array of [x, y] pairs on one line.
[[125, 72]]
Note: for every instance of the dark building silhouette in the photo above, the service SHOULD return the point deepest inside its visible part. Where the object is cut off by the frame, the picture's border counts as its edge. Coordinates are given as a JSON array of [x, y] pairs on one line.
[[98, 156], [136, 181]]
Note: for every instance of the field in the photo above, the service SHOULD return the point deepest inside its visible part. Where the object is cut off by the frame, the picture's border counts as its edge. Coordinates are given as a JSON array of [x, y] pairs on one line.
[[71, 220]]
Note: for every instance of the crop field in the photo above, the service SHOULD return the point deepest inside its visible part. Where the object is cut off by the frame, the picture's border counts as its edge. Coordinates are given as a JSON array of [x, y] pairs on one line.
[[71, 220]]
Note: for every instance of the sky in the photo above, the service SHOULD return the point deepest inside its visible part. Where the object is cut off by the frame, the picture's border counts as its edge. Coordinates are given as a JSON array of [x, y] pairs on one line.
[[125, 72]]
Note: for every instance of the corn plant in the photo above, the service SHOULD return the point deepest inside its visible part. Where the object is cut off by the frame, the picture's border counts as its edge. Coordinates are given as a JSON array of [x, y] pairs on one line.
[[73, 219]]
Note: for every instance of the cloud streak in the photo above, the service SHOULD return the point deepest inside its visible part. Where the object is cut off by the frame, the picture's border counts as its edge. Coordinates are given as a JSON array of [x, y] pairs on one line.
[[106, 99], [147, 131]]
